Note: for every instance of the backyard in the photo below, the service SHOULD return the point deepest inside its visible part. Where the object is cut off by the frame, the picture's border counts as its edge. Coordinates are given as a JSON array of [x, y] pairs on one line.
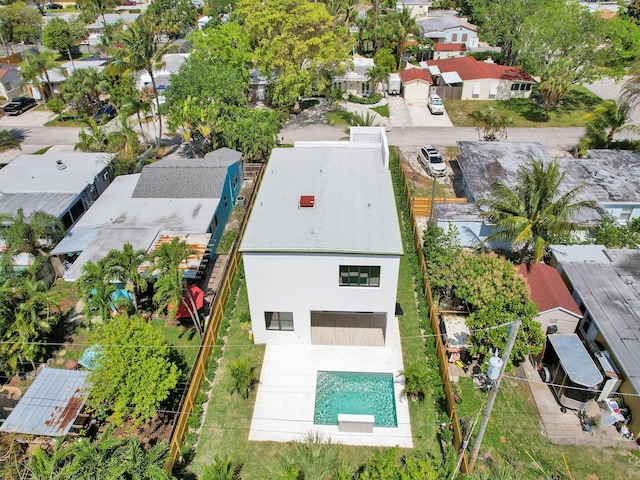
[[514, 438], [526, 112]]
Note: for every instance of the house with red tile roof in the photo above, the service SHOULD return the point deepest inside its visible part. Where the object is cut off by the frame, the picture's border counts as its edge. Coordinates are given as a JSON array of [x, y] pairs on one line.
[[555, 303], [481, 80], [449, 50], [416, 83]]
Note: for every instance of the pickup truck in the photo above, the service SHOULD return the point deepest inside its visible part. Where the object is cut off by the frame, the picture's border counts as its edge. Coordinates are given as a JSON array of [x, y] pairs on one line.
[[19, 105]]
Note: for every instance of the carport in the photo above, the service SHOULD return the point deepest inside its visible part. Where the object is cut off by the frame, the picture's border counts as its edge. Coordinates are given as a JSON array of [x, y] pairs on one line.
[[348, 328]]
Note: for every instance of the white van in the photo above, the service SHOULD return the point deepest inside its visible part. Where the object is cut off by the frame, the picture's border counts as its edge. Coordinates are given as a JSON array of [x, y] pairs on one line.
[[436, 107]]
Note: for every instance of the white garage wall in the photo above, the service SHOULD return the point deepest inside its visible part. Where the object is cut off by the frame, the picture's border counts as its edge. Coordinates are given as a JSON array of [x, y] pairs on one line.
[[300, 283]]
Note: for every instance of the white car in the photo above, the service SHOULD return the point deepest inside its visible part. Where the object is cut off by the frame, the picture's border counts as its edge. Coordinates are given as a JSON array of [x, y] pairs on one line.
[[435, 104], [432, 162]]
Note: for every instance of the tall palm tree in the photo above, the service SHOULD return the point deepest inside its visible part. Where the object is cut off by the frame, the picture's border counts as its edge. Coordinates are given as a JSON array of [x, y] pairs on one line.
[[377, 75], [35, 66], [609, 118], [124, 266], [534, 210], [141, 50], [170, 286], [631, 88], [96, 288], [23, 234], [406, 26]]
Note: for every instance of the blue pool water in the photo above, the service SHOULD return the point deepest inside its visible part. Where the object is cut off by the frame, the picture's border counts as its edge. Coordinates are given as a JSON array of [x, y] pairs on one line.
[[355, 393]]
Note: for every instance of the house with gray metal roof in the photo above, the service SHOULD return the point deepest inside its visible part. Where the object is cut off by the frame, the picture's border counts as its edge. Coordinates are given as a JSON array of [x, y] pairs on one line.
[[62, 184], [172, 197], [322, 246], [449, 28], [605, 283], [610, 178]]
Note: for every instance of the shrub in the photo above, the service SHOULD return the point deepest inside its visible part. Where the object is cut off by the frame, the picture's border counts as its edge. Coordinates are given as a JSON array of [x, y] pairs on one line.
[[417, 381], [222, 469], [365, 100], [56, 105], [243, 376]]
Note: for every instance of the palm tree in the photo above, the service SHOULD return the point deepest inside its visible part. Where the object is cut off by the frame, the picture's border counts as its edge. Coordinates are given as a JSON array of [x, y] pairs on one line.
[[141, 50], [123, 265], [631, 93], [35, 66], [170, 286], [135, 104], [609, 118], [534, 210], [93, 141], [377, 75], [221, 469], [96, 288], [26, 234], [406, 26]]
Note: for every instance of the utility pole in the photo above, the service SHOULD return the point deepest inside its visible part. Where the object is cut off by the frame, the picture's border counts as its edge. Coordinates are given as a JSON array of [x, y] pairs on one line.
[[515, 326]]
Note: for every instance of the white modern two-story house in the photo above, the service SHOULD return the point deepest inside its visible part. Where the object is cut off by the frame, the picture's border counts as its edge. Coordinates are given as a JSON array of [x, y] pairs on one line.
[[322, 247]]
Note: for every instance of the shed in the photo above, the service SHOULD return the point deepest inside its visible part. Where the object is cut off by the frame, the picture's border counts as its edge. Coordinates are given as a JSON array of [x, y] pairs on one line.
[[416, 83], [50, 406]]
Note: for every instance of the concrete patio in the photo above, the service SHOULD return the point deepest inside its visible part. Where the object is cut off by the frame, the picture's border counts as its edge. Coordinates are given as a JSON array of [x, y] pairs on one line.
[[285, 402]]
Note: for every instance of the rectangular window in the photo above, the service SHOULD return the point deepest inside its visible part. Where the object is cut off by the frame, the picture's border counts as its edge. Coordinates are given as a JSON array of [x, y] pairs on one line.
[[226, 202], [528, 86], [359, 276], [464, 38], [476, 90], [235, 180], [7, 86], [523, 86], [279, 321], [214, 224], [454, 38], [515, 86]]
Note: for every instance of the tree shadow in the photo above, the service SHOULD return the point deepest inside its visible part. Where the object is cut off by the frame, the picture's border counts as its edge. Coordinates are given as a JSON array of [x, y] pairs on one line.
[[18, 133]]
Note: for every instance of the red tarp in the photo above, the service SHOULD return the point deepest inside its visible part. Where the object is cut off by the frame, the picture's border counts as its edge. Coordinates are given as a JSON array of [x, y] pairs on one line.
[[186, 305]]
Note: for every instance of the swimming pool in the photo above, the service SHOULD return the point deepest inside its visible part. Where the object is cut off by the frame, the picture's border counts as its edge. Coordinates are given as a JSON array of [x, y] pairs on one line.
[[355, 393]]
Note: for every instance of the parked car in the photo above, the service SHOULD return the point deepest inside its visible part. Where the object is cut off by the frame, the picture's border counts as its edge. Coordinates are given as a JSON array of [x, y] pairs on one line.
[[432, 162], [52, 6], [435, 104], [130, 3], [19, 105], [197, 3], [105, 113]]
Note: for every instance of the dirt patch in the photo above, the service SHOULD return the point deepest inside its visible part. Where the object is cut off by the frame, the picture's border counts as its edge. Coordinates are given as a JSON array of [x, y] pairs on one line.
[[157, 430]]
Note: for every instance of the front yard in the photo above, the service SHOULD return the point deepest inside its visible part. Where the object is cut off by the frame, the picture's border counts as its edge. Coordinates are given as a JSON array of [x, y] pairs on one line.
[[527, 113]]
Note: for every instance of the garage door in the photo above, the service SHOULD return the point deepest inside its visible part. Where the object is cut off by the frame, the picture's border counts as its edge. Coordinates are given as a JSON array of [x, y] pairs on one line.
[[348, 328]]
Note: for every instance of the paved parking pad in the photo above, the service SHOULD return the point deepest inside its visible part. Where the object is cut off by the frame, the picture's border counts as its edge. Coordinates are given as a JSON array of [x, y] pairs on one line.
[[422, 117], [31, 118]]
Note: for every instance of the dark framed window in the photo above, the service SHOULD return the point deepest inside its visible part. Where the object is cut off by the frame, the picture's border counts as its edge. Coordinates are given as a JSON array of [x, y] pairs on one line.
[[279, 321], [235, 180], [226, 202], [359, 276], [214, 224]]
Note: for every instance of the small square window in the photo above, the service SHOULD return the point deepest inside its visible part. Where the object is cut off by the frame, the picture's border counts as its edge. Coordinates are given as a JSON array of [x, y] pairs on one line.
[[279, 321]]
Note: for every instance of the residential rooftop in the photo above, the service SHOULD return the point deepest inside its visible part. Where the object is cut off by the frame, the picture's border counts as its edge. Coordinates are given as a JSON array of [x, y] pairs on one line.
[[443, 22], [353, 210], [468, 68], [548, 290]]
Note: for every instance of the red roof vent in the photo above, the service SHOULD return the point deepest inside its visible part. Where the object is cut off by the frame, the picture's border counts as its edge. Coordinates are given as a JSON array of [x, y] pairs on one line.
[[307, 201]]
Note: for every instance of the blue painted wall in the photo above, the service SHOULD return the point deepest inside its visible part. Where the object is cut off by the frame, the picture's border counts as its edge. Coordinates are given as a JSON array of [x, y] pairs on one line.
[[230, 191]]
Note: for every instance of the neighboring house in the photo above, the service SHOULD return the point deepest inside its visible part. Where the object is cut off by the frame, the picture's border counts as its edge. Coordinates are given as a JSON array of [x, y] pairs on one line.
[[202, 21], [168, 65], [449, 50], [611, 179], [96, 29], [321, 253], [355, 80], [186, 198], [558, 311], [416, 83], [258, 85], [10, 81], [63, 184], [605, 284], [418, 8], [449, 29], [481, 80], [58, 76]]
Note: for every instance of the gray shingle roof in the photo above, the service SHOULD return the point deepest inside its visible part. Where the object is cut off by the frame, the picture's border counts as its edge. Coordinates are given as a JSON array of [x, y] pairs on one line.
[[186, 178]]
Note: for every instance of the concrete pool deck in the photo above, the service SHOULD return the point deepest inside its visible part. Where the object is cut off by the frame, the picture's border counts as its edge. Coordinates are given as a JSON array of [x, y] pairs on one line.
[[285, 402]]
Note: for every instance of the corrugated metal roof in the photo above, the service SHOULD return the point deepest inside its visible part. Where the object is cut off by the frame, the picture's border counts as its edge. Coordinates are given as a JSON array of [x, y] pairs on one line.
[[575, 360], [77, 239], [354, 209], [52, 203], [51, 404]]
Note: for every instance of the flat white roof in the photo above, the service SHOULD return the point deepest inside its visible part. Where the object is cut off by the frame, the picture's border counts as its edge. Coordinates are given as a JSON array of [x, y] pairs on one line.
[[43, 173], [354, 206]]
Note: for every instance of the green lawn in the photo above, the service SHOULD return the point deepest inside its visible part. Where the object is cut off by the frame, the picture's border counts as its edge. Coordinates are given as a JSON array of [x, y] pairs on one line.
[[514, 435], [185, 339], [42, 151], [383, 110], [526, 113], [67, 121]]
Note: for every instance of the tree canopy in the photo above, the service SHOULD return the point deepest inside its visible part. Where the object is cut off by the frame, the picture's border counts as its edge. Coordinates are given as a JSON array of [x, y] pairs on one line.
[[297, 39], [20, 23], [62, 36], [135, 372]]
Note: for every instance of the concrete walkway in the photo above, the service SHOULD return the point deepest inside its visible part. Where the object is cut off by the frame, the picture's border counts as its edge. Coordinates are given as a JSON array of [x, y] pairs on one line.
[[398, 112], [564, 428]]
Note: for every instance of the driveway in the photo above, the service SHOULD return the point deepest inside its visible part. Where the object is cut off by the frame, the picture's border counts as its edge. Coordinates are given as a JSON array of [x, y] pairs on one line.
[[398, 112], [31, 118], [422, 117], [609, 89]]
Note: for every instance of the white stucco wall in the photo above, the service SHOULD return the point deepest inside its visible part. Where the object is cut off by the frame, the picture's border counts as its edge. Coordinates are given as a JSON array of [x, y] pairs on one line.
[[301, 283], [454, 35], [417, 90], [567, 323], [483, 88]]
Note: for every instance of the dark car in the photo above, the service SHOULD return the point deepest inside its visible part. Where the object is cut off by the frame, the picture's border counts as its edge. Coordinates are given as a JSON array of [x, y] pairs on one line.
[[19, 105], [105, 113], [52, 6]]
